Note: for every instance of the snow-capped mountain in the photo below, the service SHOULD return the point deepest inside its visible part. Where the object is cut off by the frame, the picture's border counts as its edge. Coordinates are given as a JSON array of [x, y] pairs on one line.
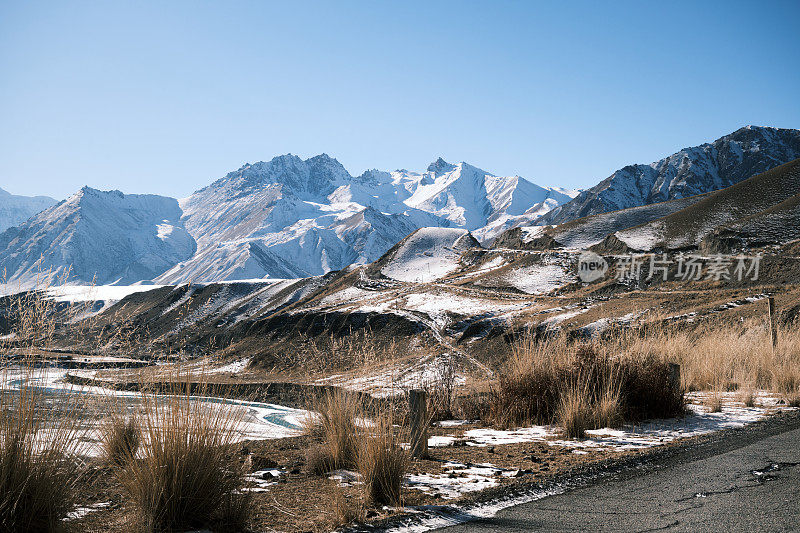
[[291, 217], [105, 237], [16, 209], [709, 167], [478, 201]]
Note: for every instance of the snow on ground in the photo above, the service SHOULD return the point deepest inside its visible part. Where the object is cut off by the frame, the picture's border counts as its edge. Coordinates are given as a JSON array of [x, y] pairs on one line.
[[600, 325], [555, 320], [639, 436], [428, 254], [436, 304], [427, 518], [234, 367], [396, 379], [538, 279], [635, 436], [457, 480], [530, 233], [641, 238], [80, 512], [95, 293], [492, 264]]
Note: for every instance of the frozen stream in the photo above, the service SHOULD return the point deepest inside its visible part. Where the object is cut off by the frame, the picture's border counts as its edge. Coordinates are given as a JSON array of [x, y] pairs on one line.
[[259, 420]]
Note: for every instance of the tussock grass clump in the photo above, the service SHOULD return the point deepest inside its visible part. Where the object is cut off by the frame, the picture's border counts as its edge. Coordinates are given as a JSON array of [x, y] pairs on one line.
[[575, 414], [336, 413], [713, 403], [590, 385], [350, 441], [747, 396], [608, 410], [38, 469], [120, 439], [382, 463], [187, 474]]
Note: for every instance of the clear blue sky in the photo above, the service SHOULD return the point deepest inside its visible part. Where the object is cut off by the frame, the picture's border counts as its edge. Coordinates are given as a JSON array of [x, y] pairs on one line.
[[167, 96]]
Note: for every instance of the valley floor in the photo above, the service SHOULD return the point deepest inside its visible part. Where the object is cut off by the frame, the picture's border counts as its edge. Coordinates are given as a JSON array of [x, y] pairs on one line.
[[473, 470]]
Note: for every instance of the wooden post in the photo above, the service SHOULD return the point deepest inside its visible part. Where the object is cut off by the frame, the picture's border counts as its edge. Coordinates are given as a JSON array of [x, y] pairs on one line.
[[773, 322], [419, 423]]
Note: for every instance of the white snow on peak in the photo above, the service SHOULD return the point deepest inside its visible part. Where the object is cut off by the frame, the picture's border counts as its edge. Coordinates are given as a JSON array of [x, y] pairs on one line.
[[105, 237], [15, 210], [291, 217], [284, 218]]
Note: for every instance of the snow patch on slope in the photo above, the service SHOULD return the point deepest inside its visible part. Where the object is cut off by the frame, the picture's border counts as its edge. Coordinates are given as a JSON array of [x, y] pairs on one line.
[[428, 254]]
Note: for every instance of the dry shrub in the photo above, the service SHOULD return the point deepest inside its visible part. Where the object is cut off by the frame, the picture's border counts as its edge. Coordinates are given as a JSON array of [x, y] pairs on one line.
[[473, 404], [575, 414], [38, 469], [539, 384], [322, 354], [646, 388], [187, 474], [792, 399], [120, 439], [336, 413], [382, 463], [713, 402], [747, 396]]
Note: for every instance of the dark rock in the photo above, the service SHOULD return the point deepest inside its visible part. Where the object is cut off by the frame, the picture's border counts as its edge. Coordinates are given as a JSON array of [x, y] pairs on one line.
[[262, 463]]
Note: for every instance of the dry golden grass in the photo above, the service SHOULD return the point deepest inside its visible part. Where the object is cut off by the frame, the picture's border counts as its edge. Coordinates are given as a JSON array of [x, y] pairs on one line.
[[334, 419], [553, 379], [39, 471], [186, 474], [729, 357], [608, 409], [712, 357], [575, 414], [351, 441], [120, 439], [747, 396], [382, 463], [713, 402]]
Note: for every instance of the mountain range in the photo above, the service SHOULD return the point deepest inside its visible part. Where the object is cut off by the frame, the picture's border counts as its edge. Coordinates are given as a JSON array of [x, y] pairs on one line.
[[292, 217], [16, 209], [709, 167]]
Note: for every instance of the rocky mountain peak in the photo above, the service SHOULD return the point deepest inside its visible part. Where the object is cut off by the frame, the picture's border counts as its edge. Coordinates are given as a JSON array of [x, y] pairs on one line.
[[440, 166]]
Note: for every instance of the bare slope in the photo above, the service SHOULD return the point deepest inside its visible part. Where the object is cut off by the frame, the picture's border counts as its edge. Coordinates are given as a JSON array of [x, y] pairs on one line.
[[750, 205]]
